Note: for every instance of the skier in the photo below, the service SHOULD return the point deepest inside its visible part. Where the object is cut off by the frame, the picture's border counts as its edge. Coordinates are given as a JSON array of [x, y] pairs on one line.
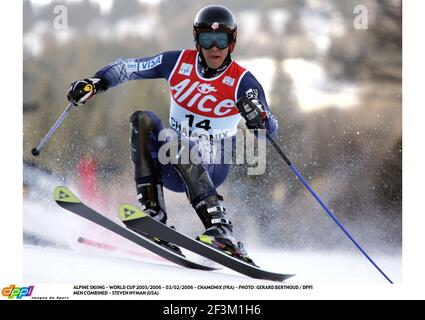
[[205, 86]]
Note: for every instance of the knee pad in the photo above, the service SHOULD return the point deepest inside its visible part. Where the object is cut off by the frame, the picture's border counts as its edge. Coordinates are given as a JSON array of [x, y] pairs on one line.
[[140, 119]]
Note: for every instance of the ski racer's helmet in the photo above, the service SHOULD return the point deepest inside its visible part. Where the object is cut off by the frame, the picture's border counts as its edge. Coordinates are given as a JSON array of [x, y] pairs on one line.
[[215, 18]]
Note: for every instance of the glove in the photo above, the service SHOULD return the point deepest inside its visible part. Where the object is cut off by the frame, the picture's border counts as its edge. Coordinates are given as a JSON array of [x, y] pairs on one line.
[[82, 90], [253, 111]]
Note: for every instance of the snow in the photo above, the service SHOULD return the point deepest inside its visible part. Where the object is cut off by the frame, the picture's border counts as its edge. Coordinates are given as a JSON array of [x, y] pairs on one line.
[[47, 264], [52, 254], [334, 275], [75, 267]]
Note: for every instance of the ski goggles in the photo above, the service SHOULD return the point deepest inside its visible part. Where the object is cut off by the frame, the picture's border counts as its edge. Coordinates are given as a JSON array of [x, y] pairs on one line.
[[209, 39]]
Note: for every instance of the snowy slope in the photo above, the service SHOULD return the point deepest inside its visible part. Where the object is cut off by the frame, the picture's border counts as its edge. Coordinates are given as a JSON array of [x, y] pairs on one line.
[[52, 254], [55, 265]]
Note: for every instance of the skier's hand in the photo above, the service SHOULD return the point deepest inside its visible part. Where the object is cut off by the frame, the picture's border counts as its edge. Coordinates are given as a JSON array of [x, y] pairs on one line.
[[82, 90], [253, 111]]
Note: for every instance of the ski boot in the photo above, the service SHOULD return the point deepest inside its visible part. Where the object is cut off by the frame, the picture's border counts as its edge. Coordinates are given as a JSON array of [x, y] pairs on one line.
[[219, 230], [150, 196]]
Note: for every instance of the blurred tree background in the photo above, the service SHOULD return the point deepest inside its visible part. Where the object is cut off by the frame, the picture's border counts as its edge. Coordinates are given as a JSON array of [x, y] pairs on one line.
[[335, 88]]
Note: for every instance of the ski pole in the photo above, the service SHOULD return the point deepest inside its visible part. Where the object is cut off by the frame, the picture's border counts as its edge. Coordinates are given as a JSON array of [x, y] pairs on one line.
[[294, 169], [36, 150]]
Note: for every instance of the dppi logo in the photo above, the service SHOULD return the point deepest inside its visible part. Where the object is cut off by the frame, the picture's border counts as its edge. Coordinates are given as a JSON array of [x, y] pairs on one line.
[[15, 292]]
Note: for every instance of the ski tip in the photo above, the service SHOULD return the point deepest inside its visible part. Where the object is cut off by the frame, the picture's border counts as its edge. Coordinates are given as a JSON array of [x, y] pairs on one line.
[[129, 212], [63, 194], [289, 276]]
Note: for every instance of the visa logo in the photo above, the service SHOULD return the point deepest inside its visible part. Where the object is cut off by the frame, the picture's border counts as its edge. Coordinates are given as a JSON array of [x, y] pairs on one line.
[[146, 65]]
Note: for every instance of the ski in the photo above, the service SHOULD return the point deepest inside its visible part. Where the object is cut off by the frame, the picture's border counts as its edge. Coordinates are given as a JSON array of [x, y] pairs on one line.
[[144, 223], [67, 200]]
